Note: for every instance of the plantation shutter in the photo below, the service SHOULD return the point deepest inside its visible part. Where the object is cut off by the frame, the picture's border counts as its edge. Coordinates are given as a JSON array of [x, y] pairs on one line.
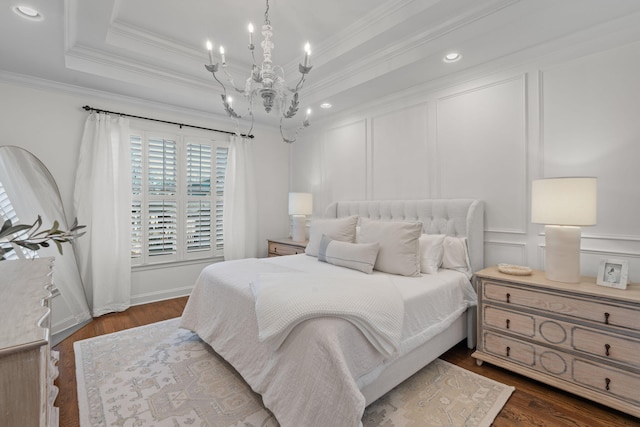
[[136, 229], [163, 227], [199, 164], [162, 167], [177, 190], [221, 169], [136, 198], [162, 206]]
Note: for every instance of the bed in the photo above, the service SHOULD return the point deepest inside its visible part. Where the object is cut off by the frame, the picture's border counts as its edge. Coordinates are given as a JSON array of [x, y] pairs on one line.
[[324, 369]]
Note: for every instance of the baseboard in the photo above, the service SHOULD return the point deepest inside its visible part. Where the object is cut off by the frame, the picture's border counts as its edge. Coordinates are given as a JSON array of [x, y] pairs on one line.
[[65, 333], [160, 295], [66, 327]]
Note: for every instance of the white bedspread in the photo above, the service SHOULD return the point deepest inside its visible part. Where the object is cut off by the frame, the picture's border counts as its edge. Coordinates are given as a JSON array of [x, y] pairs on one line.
[[313, 379], [372, 304]]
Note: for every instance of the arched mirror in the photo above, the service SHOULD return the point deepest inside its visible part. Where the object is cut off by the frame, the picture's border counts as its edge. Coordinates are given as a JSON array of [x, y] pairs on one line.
[[27, 190]]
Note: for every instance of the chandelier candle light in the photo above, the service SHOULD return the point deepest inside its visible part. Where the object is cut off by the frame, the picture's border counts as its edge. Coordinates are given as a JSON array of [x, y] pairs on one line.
[[264, 81]]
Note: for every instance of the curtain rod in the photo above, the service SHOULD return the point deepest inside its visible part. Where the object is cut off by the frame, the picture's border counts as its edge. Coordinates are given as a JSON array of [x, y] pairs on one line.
[[98, 110]]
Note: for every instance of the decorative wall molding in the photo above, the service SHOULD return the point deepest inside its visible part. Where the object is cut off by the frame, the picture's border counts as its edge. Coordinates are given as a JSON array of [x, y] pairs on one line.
[[494, 247], [613, 237], [521, 80], [611, 253]]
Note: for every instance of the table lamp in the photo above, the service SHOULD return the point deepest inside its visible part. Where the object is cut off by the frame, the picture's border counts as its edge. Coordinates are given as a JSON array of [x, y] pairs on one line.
[[563, 205], [300, 205]]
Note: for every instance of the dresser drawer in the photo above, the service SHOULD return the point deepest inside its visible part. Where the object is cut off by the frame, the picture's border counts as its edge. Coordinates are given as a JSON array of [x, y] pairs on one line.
[[608, 381], [565, 305], [603, 344], [505, 320], [509, 349]]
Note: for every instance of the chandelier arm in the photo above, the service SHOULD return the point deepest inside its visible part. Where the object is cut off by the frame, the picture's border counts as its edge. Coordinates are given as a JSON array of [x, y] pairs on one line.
[[251, 127], [303, 77], [304, 124], [230, 111], [230, 79]]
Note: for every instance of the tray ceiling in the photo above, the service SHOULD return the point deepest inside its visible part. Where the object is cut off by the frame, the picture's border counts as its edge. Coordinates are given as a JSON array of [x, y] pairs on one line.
[[362, 50]]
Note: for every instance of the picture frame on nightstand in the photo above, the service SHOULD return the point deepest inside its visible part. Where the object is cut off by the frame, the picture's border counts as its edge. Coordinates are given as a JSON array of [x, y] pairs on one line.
[[613, 273]]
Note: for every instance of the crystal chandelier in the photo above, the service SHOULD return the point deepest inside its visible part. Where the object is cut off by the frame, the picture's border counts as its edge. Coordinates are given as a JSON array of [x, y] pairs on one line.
[[266, 82]]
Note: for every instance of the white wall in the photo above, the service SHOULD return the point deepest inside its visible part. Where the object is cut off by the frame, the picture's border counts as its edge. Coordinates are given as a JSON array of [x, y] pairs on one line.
[[47, 119], [488, 138]]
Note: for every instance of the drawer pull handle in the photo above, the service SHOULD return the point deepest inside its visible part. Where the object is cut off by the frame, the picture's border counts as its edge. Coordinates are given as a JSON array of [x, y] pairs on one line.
[[508, 321], [606, 318], [509, 351], [607, 347], [607, 383], [508, 298]]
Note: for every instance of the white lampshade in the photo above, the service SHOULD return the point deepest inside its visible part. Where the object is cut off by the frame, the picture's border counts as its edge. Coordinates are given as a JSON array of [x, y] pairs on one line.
[[300, 204], [564, 201], [563, 204]]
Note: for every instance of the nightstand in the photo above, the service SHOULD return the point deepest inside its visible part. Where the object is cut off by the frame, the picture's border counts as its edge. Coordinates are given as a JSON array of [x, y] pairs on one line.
[[579, 337], [286, 246]]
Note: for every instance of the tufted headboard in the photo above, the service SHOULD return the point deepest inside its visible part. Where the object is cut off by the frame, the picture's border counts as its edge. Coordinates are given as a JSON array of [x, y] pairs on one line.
[[453, 217]]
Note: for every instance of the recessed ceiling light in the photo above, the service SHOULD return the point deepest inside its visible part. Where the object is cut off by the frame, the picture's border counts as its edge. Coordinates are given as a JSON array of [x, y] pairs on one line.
[[28, 13], [452, 57], [326, 105]]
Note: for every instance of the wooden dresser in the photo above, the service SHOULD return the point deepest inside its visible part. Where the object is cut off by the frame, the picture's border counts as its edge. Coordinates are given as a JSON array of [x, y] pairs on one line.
[[27, 364], [279, 247], [580, 337]]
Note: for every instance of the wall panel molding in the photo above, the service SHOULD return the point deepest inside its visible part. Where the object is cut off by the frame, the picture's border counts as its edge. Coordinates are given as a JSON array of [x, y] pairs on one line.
[[399, 143], [488, 123], [496, 252]]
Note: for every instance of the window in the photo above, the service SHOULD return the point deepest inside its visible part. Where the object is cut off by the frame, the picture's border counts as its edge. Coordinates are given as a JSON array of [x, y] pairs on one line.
[[177, 197]]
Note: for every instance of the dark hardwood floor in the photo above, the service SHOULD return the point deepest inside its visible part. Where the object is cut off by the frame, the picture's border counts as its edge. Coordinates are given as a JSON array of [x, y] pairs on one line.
[[532, 404]]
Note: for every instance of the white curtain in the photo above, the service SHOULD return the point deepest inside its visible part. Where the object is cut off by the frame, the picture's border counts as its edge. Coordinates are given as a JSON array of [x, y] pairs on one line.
[[240, 217], [102, 202]]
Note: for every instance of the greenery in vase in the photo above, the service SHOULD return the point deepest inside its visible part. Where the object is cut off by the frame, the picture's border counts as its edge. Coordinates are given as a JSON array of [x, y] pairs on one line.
[[32, 238]]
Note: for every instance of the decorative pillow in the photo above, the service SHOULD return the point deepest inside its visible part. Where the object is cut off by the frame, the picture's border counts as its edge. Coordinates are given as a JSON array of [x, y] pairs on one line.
[[431, 252], [456, 255], [343, 229], [356, 256], [399, 248]]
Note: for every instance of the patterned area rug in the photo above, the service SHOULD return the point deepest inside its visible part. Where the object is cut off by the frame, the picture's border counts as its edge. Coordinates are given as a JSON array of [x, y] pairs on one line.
[[160, 375]]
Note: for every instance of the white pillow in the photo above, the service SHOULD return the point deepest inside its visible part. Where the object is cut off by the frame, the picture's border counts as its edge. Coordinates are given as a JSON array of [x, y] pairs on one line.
[[399, 248], [343, 229], [356, 256], [456, 255], [431, 252]]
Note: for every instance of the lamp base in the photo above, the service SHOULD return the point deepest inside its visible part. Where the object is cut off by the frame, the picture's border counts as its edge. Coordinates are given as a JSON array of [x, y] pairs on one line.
[[562, 253], [298, 231]]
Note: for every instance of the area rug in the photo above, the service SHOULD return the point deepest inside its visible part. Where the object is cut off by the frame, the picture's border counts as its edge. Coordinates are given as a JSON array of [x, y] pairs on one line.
[[161, 375]]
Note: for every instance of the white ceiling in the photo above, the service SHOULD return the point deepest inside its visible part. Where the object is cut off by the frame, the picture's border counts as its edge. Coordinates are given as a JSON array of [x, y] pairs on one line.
[[362, 50]]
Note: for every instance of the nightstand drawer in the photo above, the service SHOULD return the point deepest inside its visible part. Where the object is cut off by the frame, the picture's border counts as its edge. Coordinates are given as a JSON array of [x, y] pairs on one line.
[[606, 345], [609, 381], [509, 349], [568, 306], [281, 249], [509, 321]]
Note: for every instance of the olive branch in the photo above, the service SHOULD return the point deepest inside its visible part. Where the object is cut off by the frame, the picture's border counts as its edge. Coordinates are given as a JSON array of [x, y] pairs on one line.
[[32, 238]]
